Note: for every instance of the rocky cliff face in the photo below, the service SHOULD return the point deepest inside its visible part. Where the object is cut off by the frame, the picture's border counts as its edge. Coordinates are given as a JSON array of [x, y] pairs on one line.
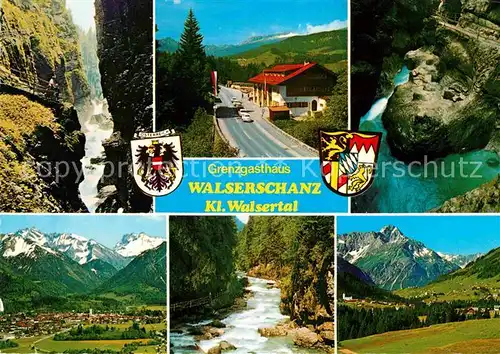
[[39, 157], [88, 45], [38, 40], [484, 199], [41, 145], [391, 259], [382, 31], [124, 36], [313, 303]]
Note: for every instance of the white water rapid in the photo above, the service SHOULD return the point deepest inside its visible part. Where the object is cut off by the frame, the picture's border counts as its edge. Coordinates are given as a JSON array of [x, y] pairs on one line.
[[242, 327], [97, 126]]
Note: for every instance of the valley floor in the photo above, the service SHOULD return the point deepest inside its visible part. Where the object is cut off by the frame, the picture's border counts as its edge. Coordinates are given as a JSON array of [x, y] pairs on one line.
[[474, 336], [46, 344]]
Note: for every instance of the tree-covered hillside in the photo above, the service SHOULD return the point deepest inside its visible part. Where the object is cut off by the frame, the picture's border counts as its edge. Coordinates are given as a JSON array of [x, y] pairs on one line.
[[144, 277], [299, 253], [325, 48], [478, 280], [201, 258]]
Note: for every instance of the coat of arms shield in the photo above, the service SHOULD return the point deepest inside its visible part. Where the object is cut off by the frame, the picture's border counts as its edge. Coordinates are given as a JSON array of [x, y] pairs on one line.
[[348, 160], [157, 164]]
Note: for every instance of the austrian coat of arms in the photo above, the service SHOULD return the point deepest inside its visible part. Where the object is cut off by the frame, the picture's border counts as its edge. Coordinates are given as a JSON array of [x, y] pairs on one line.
[[157, 164]]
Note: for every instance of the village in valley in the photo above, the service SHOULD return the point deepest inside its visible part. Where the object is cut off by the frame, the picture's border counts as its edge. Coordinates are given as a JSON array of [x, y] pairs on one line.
[[25, 325], [469, 312], [63, 292]]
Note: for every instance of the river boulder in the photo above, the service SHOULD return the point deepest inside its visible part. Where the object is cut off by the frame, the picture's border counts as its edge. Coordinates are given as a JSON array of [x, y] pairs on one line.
[[443, 109], [226, 346], [304, 337], [223, 346]]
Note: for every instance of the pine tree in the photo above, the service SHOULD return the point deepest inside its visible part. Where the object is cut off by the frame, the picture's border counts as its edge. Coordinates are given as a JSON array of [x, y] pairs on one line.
[[191, 43], [190, 74]]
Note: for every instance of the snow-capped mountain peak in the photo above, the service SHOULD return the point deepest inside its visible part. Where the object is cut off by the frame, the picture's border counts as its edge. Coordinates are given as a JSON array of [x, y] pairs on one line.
[[74, 246], [32, 234], [134, 244], [30, 241], [11, 245], [392, 259], [393, 234], [460, 260]]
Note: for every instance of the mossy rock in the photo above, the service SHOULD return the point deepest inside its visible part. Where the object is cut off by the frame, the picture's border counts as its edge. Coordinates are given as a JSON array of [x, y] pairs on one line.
[[39, 41]]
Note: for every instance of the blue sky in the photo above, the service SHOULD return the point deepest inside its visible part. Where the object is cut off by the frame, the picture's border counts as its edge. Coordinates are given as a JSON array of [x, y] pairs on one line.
[[107, 229], [449, 234], [233, 21]]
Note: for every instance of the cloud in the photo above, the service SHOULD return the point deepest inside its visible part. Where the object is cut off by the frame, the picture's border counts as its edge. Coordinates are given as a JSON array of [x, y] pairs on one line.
[[334, 25], [177, 2]]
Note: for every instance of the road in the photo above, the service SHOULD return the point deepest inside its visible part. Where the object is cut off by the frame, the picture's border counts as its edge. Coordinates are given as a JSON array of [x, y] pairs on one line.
[[259, 138]]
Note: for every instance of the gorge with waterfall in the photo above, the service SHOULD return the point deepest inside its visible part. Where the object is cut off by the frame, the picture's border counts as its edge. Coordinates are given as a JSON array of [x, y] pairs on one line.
[[84, 77], [429, 82]]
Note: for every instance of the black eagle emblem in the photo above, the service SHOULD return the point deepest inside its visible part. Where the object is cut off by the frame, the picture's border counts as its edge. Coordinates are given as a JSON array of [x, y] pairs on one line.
[[157, 165]]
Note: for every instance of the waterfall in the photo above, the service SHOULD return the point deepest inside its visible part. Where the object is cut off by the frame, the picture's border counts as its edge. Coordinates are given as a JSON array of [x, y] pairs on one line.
[[2, 309], [378, 108], [97, 126], [395, 190], [95, 120]]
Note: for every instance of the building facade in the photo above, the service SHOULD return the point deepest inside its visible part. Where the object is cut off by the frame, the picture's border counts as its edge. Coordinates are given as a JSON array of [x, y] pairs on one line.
[[302, 88]]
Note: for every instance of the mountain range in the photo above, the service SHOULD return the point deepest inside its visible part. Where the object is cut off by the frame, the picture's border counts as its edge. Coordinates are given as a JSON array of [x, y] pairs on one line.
[[394, 261], [75, 247], [478, 280], [170, 45], [52, 264], [460, 260], [327, 48], [353, 282]]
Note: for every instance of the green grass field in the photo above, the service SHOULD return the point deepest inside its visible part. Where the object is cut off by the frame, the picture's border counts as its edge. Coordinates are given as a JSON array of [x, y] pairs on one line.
[[470, 337], [459, 288], [60, 346], [50, 345], [24, 345], [154, 307]]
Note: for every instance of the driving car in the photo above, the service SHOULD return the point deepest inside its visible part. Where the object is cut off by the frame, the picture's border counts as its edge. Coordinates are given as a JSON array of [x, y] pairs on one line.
[[243, 110], [246, 118]]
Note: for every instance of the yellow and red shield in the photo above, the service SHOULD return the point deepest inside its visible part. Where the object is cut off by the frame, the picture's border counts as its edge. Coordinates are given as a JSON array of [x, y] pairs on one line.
[[348, 160]]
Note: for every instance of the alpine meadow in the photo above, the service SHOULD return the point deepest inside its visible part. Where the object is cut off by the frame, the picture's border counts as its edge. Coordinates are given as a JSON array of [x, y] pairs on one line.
[[397, 294]]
